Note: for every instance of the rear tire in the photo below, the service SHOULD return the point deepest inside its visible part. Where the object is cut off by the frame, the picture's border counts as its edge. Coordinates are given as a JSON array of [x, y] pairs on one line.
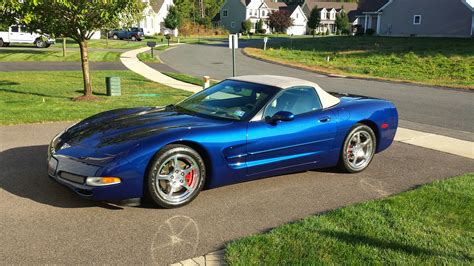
[[358, 149], [2, 44], [175, 176]]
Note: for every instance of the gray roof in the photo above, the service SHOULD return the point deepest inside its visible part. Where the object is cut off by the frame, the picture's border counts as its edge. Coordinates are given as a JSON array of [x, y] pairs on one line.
[[370, 6], [274, 5]]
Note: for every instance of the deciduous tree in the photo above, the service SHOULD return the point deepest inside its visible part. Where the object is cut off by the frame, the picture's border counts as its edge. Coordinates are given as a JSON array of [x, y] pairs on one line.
[[173, 19], [76, 19], [342, 22], [246, 25], [280, 20], [314, 19]]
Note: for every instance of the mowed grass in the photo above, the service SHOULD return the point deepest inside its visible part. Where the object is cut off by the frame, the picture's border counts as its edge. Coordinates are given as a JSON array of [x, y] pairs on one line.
[[28, 97], [146, 57], [431, 225], [19, 55], [432, 61], [188, 78]]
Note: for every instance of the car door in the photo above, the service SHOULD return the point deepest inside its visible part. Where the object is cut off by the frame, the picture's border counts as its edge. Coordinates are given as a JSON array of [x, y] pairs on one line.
[[302, 143], [15, 34]]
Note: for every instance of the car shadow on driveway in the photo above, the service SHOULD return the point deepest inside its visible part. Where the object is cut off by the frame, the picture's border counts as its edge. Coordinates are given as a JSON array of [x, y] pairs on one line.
[[23, 173]]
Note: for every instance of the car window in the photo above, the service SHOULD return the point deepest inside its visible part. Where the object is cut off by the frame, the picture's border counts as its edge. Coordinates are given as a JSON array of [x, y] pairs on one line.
[[296, 100], [14, 28], [230, 99], [23, 29]]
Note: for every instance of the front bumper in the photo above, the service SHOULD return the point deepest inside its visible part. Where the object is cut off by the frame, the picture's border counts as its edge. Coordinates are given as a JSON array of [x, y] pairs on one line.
[[72, 173]]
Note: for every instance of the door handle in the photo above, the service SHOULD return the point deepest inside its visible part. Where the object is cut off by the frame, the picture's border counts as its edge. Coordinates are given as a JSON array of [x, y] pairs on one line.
[[324, 119]]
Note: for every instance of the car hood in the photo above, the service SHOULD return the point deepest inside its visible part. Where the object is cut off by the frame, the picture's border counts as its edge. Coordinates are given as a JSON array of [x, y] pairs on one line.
[[129, 126]]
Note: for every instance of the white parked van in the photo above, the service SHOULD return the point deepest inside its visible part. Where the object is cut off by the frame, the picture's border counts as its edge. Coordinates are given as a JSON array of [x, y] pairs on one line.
[[18, 34]]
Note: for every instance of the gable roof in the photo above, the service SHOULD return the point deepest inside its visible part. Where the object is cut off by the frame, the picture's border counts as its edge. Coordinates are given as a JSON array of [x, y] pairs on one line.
[[290, 9], [330, 5], [274, 5], [370, 6], [156, 5]]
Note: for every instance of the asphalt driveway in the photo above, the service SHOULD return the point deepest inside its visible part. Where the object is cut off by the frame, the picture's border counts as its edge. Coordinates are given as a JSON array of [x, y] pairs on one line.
[[43, 222]]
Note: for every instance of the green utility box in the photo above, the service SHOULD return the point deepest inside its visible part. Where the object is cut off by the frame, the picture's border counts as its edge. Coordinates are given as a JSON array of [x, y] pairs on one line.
[[113, 86]]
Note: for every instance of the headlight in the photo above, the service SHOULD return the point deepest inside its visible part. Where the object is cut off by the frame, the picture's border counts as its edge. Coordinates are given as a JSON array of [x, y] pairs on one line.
[[52, 145], [102, 181]]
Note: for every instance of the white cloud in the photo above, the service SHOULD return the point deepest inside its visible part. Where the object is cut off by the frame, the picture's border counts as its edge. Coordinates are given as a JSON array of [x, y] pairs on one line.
[[471, 2]]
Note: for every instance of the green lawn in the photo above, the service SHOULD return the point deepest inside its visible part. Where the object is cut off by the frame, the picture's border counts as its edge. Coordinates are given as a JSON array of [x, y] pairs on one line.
[[431, 225], [188, 78], [431, 61], [28, 97], [146, 57], [18, 55], [107, 44]]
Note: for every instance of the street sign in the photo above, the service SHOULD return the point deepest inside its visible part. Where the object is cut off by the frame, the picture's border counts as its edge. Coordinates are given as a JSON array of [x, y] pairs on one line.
[[233, 41], [265, 40]]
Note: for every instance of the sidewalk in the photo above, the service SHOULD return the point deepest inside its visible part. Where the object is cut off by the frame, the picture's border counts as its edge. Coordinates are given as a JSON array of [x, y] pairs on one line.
[[130, 60]]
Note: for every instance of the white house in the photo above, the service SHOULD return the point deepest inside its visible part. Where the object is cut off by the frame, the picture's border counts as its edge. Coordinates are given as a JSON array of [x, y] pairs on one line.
[[328, 12], [299, 20], [234, 12], [154, 16]]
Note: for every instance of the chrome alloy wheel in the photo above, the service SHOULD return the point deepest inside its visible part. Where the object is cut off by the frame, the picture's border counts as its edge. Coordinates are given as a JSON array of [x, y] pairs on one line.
[[177, 178], [360, 150]]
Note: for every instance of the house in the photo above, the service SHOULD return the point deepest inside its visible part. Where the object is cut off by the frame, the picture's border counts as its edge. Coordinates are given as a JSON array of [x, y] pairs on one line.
[[328, 11], [299, 20], [234, 12], [433, 18], [368, 15], [154, 13]]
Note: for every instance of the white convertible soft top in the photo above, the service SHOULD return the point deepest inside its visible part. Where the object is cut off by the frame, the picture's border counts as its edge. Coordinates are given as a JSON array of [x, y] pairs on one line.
[[282, 82]]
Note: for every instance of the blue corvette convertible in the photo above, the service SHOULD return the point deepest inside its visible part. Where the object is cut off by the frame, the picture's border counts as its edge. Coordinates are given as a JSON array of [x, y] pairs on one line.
[[241, 129]]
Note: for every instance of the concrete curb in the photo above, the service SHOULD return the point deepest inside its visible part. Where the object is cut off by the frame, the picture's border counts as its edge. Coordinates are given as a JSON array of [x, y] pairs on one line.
[[130, 60], [332, 75], [215, 258]]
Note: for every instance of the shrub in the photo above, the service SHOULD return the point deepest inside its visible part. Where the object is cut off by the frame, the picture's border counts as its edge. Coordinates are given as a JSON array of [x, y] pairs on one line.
[[369, 31]]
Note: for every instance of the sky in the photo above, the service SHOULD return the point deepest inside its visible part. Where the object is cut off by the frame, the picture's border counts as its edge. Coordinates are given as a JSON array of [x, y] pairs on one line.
[[471, 2]]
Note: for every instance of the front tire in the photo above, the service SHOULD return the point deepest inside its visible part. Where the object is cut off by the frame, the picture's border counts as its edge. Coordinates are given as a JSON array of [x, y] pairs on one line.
[[115, 37], [39, 43], [358, 149], [134, 38], [2, 43], [175, 176]]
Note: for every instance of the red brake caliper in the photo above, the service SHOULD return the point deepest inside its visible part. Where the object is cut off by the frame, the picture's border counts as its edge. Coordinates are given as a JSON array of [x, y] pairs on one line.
[[189, 178]]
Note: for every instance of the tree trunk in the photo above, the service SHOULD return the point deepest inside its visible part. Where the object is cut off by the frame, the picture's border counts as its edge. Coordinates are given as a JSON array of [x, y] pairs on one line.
[[64, 47], [85, 68]]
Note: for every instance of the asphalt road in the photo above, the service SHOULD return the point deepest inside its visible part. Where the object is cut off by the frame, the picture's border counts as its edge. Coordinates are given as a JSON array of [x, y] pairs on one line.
[[442, 111], [42, 222]]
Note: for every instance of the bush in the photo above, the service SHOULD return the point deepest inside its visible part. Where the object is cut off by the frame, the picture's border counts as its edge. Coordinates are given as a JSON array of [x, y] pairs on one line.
[[370, 31], [190, 28], [328, 32]]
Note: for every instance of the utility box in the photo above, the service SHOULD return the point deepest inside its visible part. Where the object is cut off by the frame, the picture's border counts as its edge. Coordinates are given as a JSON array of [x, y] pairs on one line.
[[113, 86]]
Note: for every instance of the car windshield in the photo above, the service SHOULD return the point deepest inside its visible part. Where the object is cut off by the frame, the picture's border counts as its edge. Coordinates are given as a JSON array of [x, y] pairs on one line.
[[230, 99]]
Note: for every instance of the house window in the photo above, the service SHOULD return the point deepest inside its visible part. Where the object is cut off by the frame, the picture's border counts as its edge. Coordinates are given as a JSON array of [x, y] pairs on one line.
[[417, 19], [296, 15], [232, 24], [224, 13], [263, 13]]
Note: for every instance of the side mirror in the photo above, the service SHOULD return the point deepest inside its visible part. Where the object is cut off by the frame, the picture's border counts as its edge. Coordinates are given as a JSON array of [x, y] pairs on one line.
[[281, 116]]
